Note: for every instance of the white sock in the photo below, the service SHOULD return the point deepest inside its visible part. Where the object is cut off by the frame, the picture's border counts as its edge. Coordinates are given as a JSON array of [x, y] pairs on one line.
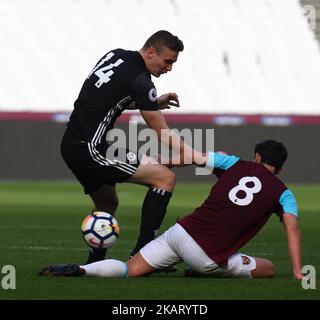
[[109, 268]]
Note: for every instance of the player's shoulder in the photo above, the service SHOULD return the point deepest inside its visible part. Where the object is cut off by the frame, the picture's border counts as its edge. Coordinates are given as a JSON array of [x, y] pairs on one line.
[[134, 66], [255, 168], [272, 180], [141, 80], [120, 51], [133, 58]]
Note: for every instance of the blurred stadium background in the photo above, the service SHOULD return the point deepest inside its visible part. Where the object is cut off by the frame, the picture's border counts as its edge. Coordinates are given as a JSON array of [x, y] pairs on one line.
[[250, 70]]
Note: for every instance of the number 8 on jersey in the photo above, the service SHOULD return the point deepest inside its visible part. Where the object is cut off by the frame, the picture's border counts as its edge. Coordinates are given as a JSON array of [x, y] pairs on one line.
[[242, 186]]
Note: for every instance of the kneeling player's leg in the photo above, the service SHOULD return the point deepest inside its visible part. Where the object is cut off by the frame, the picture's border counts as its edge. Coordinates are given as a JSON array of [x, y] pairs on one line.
[[138, 266], [110, 268], [154, 256], [161, 181], [264, 268], [105, 199], [244, 266]]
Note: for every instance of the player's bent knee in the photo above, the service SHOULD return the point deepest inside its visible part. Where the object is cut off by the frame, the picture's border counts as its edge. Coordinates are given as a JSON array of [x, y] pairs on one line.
[[167, 180], [170, 179], [157, 176], [138, 267], [264, 269]]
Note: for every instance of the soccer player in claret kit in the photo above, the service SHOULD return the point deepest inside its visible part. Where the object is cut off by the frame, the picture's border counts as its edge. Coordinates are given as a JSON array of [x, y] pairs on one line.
[[209, 238], [121, 80]]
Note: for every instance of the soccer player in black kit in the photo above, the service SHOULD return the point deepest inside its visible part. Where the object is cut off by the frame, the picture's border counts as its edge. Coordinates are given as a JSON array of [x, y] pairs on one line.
[[122, 80]]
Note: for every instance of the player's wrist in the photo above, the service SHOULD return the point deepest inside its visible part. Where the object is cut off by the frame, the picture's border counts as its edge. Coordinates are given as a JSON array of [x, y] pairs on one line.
[[210, 159]]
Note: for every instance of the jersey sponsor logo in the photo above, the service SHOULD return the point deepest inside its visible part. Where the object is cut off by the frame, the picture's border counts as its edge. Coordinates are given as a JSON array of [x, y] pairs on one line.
[[152, 95], [131, 156]]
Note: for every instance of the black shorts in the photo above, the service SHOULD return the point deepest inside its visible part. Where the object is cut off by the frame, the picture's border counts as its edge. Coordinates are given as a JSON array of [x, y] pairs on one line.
[[94, 165]]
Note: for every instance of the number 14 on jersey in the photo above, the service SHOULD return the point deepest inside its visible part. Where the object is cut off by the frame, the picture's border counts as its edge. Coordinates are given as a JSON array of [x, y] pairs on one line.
[[105, 73]]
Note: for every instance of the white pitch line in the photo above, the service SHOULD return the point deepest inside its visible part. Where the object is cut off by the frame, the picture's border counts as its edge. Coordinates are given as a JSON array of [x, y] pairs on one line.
[[42, 248], [53, 248]]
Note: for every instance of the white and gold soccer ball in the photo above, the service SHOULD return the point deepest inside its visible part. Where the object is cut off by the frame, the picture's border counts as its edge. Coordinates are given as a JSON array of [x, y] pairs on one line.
[[100, 230]]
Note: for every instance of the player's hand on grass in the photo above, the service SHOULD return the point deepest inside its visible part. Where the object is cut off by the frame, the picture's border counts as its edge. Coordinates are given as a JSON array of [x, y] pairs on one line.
[[298, 275], [168, 100]]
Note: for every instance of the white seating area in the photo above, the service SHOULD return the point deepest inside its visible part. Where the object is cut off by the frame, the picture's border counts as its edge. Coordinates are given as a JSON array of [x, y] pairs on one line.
[[241, 56]]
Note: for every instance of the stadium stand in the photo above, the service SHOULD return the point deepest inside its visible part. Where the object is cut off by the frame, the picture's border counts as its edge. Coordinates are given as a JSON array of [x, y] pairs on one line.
[[241, 56]]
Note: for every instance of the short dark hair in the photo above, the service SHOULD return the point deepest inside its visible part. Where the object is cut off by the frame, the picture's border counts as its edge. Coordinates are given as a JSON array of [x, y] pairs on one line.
[[162, 39], [272, 152]]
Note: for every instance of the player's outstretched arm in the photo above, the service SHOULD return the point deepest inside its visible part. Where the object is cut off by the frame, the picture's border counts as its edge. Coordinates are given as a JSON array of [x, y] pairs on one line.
[[185, 155], [291, 226]]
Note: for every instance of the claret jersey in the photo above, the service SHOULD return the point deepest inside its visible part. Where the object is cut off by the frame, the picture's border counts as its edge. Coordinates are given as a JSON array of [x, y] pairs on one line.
[[238, 206]]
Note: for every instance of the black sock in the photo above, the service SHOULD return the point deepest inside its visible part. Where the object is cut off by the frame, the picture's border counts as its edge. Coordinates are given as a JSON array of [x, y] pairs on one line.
[[153, 211], [96, 254]]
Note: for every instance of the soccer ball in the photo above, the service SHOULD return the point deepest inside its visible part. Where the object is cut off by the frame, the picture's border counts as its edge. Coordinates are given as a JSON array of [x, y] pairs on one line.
[[100, 230]]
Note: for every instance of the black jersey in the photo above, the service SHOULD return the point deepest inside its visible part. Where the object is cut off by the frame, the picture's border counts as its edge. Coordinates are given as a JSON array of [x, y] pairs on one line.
[[118, 79]]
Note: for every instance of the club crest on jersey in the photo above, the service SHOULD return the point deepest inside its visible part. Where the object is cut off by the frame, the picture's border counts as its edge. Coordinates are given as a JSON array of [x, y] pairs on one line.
[[245, 260], [152, 95], [131, 156]]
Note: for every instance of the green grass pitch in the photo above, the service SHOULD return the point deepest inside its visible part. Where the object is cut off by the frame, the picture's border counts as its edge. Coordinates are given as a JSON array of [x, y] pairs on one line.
[[40, 225]]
